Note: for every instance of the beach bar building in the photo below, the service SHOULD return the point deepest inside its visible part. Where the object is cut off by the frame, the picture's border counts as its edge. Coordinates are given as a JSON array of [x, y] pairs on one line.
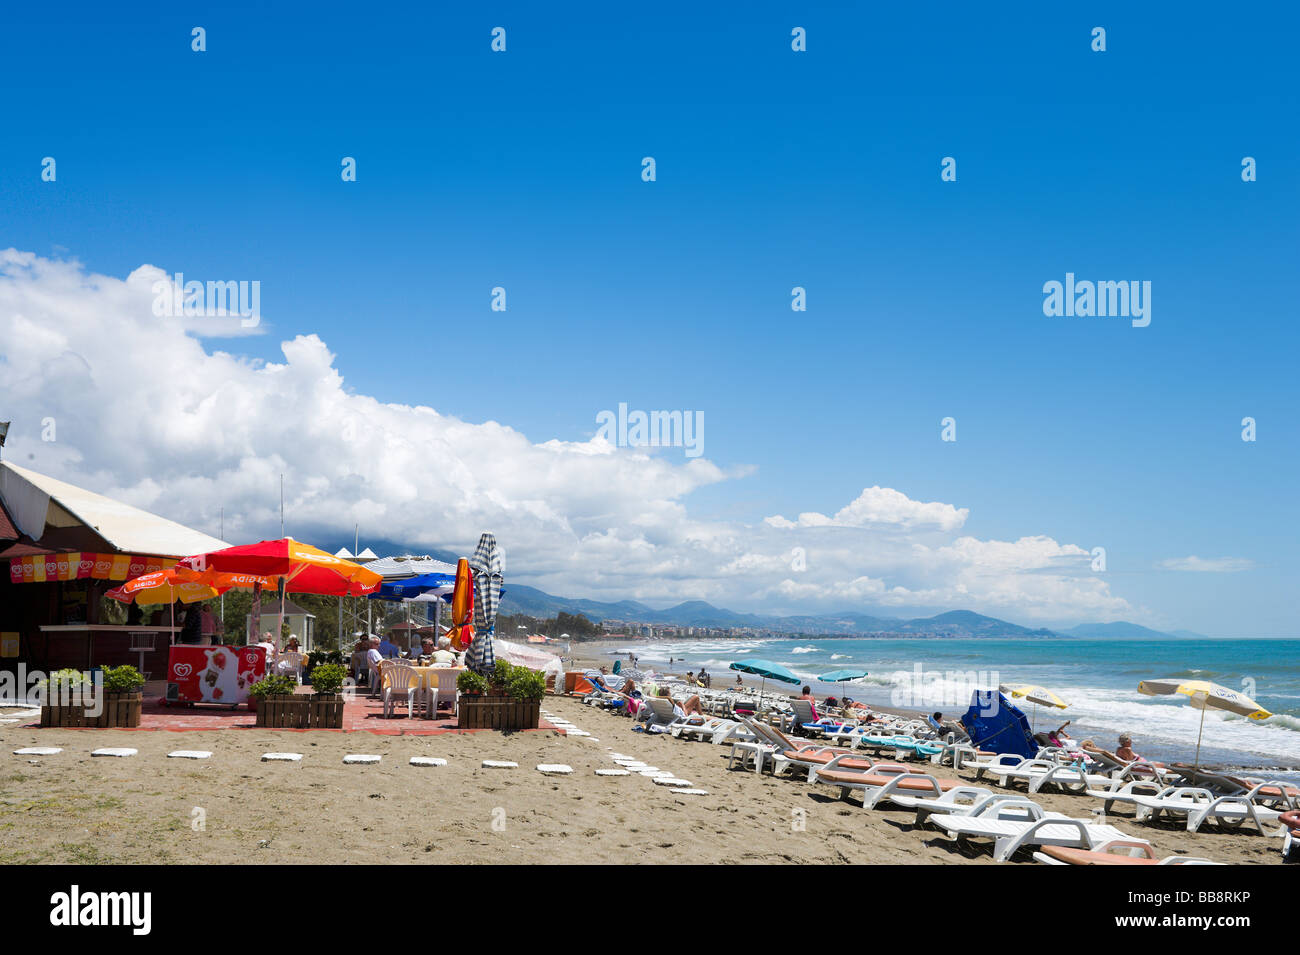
[[62, 548]]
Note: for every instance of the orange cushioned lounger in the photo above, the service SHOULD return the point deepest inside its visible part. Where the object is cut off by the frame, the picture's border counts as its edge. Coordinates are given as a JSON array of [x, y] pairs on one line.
[[1073, 856]]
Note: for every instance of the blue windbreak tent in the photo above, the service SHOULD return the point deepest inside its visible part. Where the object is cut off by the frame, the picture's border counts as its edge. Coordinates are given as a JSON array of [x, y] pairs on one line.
[[997, 726]]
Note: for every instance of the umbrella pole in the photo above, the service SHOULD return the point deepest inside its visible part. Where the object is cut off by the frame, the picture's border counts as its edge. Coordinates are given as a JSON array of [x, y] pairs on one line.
[[279, 624], [1197, 764]]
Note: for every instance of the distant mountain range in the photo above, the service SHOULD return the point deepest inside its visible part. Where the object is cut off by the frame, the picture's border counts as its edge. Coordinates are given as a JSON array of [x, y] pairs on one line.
[[522, 599], [531, 602]]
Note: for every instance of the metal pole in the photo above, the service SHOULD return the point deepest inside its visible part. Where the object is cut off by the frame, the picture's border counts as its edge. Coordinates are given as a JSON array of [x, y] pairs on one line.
[[222, 535], [1198, 740]]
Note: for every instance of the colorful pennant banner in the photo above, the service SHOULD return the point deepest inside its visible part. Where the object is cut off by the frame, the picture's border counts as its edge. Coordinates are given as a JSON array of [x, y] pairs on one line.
[[79, 566]]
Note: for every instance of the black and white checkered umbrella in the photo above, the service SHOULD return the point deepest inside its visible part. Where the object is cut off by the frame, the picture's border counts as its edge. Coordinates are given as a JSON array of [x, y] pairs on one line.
[[488, 565]]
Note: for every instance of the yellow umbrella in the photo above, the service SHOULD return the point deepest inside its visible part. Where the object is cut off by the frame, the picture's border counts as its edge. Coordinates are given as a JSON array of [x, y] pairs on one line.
[[1038, 695], [1205, 695], [163, 587]]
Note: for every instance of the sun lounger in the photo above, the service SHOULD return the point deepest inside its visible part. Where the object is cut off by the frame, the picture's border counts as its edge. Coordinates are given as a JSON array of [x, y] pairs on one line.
[[1270, 792], [957, 754], [1290, 835], [1198, 805], [1118, 852], [879, 782], [770, 742], [1039, 773], [1011, 835], [957, 801], [659, 714], [705, 728]]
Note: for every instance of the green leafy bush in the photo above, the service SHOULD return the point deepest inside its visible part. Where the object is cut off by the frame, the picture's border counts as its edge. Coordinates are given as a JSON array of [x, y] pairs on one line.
[[328, 677], [526, 685], [272, 686], [470, 682], [123, 679], [502, 671], [68, 678]]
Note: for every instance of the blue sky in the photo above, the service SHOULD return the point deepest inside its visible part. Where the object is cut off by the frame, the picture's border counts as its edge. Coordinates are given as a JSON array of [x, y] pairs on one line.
[[774, 169]]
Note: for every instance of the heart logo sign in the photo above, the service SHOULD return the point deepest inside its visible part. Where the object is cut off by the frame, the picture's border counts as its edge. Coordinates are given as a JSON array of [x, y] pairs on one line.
[[182, 670]]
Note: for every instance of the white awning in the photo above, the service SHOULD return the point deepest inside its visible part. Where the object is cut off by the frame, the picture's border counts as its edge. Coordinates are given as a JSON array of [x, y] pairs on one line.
[[36, 501]]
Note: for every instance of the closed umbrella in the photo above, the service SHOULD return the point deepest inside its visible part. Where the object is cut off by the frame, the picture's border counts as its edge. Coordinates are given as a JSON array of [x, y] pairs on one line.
[[489, 565], [1037, 695], [461, 631], [767, 670], [1205, 695]]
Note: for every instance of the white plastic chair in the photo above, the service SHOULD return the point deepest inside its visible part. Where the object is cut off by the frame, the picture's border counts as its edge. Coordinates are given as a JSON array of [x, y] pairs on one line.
[[400, 681], [290, 663]]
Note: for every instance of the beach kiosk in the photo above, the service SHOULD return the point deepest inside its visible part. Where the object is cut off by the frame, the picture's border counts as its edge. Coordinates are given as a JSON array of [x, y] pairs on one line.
[[63, 547]]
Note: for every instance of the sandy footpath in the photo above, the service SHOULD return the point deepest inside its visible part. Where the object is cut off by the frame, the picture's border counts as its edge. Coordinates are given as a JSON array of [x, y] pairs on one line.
[[75, 808]]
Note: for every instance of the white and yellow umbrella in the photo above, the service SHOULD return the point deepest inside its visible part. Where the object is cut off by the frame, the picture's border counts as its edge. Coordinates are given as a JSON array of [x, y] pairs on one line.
[[1205, 695], [1033, 693]]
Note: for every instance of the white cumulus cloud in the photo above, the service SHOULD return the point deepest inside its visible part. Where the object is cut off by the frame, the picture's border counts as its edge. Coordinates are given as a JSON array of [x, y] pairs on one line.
[[144, 411]]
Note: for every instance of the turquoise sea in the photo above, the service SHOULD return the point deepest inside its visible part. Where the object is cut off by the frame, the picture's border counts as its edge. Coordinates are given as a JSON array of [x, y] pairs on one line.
[[1098, 678]]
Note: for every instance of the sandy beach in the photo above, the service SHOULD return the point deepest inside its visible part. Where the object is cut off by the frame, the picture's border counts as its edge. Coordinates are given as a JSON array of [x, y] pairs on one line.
[[235, 808]]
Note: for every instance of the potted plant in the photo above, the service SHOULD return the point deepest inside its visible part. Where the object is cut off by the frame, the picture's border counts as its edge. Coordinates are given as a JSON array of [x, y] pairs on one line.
[[122, 697], [510, 699], [63, 695], [500, 678], [527, 686], [271, 688], [327, 705], [470, 683]]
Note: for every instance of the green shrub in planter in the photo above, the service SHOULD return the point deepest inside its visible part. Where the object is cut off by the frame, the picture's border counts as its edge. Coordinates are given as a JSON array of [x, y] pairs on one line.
[[68, 678], [525, 685], [470, 682], [328, 678], [272, 686], [123, 679], [501, 673]]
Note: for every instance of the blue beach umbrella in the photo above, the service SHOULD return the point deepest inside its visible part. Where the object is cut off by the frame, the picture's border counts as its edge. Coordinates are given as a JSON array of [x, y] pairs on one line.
[[409, 587], [842, 676], [767, 670]]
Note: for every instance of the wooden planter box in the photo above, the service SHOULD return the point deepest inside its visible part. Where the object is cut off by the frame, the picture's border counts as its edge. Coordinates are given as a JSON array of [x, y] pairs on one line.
[[284, 711], [326, 711], [497, 713], [119, 710], [298, 711]]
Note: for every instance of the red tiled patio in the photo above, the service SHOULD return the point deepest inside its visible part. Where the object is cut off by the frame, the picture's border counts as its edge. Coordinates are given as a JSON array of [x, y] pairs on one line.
[[360, 714]]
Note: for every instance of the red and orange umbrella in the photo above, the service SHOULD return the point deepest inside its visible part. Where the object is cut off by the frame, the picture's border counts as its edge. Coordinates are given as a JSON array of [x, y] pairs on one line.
[[301, 568], [462, 607], [163, 587]]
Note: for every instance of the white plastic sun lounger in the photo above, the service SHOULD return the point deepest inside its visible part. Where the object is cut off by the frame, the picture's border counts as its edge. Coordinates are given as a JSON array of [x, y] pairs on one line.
[[1038, 773], [882, 782], [1200, 806], [1011, 835], [694, 727]]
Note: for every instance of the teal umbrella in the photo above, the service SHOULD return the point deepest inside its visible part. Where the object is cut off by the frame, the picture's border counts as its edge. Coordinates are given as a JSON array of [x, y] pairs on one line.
[[767, 670], [842, 676]]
